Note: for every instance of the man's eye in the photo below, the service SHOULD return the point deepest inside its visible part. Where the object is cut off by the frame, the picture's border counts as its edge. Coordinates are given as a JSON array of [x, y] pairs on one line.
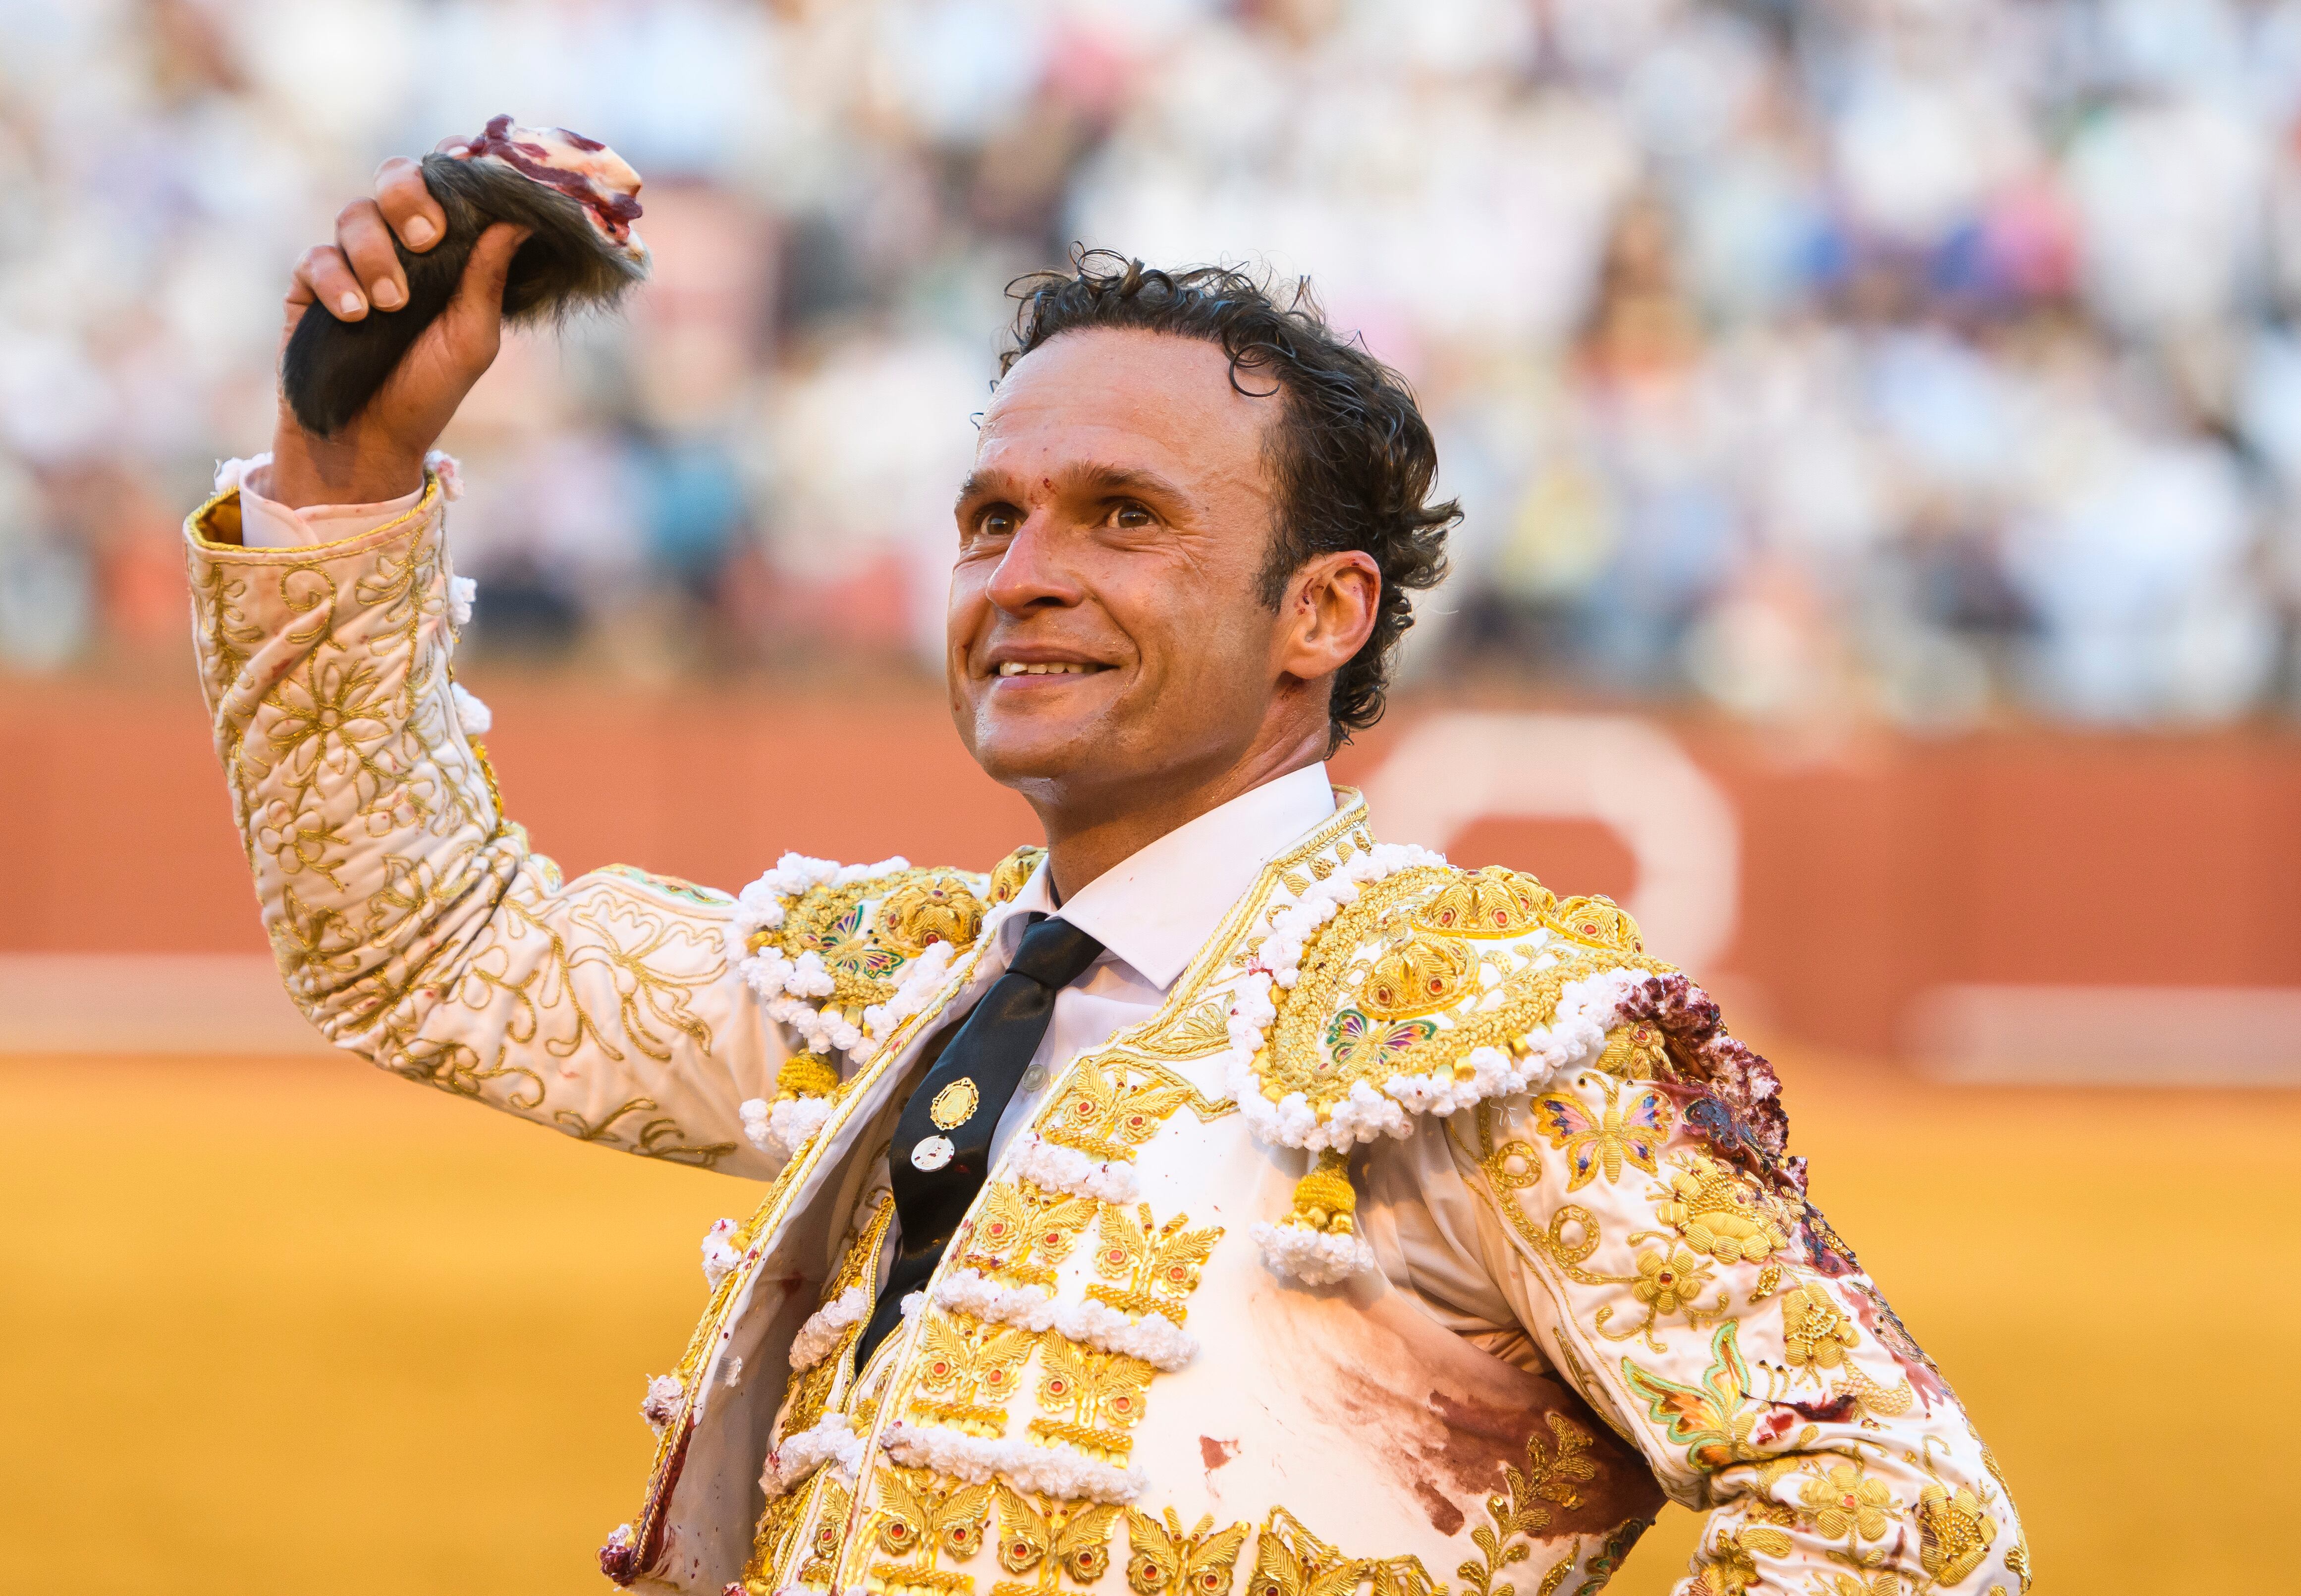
[[1131, 515], [999, 523]]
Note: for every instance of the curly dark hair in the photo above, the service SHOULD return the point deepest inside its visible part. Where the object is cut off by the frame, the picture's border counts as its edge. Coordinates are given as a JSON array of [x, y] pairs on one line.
[[1350, 457]]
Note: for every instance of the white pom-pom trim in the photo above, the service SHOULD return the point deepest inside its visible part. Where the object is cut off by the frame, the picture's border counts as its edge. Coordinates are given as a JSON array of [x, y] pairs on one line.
[[922, 981], [1024, 1463], [781, 1128], [718, 1255], [1155, 1338], [820, 1336], [1314, 1257], [463, 593], [660, 1406], [832, 1440], [233, 473], [1057, 1168], [785, 985], [449, 471], [475, 718]]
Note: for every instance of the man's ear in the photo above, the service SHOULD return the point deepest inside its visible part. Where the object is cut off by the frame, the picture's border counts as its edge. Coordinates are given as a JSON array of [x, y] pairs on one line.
[[1329, 611]]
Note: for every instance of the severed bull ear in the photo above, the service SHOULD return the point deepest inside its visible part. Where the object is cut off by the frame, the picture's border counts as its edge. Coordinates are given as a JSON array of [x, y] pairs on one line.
[[581, 254]]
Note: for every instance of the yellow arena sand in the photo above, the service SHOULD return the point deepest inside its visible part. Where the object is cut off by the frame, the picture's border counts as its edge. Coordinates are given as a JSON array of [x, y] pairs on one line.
[[290, 1326]]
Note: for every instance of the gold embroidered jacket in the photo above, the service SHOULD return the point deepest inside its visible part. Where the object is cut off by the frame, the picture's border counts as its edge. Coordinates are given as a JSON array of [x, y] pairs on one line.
[[1179, 1342]]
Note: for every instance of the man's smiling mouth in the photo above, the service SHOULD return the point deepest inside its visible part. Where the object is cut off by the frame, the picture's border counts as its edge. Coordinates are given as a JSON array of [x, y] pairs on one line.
[[1053, 668]]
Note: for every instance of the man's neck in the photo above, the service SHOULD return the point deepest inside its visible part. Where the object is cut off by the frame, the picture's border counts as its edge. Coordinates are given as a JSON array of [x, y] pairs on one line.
[[1086, 838]]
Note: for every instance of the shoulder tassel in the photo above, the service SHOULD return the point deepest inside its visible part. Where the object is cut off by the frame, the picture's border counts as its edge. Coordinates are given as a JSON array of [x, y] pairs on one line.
[[1317, 1242]]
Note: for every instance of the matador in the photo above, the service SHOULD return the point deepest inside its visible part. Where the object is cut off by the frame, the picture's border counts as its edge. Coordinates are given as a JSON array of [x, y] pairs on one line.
[[1218, 1194]]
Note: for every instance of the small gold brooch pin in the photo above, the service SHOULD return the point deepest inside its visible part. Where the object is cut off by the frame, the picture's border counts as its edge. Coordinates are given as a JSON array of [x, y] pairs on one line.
[[954, 1105]]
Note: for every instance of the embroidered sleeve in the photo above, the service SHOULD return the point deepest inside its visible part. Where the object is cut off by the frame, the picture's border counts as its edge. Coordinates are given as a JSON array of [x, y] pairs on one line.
[[1675, 1271], [411, 921]]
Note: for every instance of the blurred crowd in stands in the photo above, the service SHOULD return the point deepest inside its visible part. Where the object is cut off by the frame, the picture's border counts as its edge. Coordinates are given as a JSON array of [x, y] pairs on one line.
[[1931, 361]]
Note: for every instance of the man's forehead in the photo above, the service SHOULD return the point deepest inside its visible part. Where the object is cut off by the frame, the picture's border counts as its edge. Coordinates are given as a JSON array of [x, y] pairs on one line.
[[1122, 394]]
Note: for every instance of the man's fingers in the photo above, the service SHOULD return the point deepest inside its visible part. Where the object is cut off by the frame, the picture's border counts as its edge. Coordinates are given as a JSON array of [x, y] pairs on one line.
[[407, 205], [324, 278], [366, 244]]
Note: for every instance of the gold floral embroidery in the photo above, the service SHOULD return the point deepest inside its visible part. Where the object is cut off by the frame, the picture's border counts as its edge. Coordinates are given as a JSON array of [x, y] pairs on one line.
[[1816, 1330], [1634, 1052], [822, 1541], [1008, 876], [832, 923], [1494, 902], [1954, 1533], [1109, 1113], [1203, 1030], [1668, 1283], [1847, 1504], [1289, 1561], [1718, 1212], [1598, 920], [1548, 1479], [658, 1135], [1730, 1566], [1422, 976], [1489, 993], [931, 907]]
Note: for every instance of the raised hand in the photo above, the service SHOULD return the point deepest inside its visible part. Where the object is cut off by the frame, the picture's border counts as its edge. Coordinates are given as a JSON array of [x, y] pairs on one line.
[[379, 455]]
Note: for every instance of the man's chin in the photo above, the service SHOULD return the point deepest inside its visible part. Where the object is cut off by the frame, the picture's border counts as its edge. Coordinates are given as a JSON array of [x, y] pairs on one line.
[[1021, 756], [1018, 746]]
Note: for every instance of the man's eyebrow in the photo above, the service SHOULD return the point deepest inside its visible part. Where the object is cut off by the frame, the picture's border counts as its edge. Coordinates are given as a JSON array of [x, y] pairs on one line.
[[1105, 478]]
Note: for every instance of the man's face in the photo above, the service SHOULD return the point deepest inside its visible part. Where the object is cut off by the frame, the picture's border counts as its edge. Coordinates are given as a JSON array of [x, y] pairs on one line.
[[1106, 622]]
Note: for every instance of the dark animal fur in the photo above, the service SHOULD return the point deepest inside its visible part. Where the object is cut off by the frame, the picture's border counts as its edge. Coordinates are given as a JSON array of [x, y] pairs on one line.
[[332, 369]]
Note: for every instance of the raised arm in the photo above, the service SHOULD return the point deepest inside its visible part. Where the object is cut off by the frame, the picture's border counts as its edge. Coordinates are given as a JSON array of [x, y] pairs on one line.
[[410, 920]]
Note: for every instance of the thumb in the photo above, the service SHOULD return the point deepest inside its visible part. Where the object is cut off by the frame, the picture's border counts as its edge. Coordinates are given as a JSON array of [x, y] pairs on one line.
[[477, 309]]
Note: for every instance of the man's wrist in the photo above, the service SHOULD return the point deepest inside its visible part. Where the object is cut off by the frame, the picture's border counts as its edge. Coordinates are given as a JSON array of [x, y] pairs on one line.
[[308, 471]]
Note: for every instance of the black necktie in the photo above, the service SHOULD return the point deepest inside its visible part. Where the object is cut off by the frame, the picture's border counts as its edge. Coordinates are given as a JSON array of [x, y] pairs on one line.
[[942, 1141]]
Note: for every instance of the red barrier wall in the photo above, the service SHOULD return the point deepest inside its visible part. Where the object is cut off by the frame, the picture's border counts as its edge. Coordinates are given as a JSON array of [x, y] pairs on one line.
[[1871, 873]]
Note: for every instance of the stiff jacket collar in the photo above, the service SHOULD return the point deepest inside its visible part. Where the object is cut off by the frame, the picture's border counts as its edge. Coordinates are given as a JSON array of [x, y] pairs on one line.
[[1155, 909]]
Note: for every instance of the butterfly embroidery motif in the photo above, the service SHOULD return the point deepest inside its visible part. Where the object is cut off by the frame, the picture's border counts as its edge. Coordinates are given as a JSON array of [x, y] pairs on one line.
[[1039, 1537], [1361, 1046], [846, 950], [1157, 1266], [1167, 1560], [1714, 1420], [914, 1516], [1632, 1134]]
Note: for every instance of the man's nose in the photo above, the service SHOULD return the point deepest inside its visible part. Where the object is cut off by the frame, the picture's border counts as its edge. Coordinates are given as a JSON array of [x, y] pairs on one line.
[[1036, 569]]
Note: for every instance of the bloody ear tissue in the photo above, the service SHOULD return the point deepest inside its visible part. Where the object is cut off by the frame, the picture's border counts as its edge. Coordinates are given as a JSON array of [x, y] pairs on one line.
[[578, 198]]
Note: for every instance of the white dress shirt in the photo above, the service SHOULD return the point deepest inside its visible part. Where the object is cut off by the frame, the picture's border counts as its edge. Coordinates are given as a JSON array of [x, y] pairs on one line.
[[1152, 912]]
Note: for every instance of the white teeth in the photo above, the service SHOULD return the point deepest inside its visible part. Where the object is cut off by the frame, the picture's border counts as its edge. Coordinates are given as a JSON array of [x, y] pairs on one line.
[[1012, 668]]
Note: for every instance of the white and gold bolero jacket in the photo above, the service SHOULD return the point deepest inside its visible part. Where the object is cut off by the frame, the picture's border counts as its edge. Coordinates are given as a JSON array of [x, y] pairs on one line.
[[1161, 1356]]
